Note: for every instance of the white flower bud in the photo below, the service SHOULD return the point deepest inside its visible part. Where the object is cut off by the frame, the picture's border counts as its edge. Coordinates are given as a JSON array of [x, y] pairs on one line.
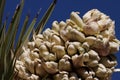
[[93, 55], [62, 25], [81, 50], [95, 14], [33, 77], [102, 46], [114, 47], [39, 36], [38, 42], [64, 35], [83, 72], [34, 55], [109, 61], [90, 40], [47, 34], [75, 17], [101, 71], [61, 76], [43, 48], [70, 22], [92, 63], [55, 26], [22, 73], [91, 29], [86, 57], [64, 63], [29, 65], [52, 57], [86, 46], [56, 39], [39, 70], [76, 35], [24, 55], [31, 45], [44, 55], [78, 61], [71, 49], [59, 51], [91, 15], [50, 67], [87, 16], [103, 24]]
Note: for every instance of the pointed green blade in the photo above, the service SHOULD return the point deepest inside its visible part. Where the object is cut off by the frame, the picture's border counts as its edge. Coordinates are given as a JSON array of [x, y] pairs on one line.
[[25, 37], [10, 36], [2, 4], [24, 27], [45, 18], [6, 47], [2, 33]]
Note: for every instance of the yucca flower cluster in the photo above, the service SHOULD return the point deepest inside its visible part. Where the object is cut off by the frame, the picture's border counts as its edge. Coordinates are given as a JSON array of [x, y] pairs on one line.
[[78, 49]]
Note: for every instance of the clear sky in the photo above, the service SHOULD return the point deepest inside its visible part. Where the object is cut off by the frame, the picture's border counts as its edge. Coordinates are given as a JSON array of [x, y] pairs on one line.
[[65, 7]]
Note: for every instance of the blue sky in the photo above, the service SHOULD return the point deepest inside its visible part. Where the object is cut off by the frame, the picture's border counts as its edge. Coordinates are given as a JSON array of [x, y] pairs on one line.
[[64, 8]]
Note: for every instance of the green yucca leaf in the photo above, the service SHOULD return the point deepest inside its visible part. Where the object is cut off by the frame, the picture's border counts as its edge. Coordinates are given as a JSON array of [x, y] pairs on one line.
[[1, 29], [12, 28], [17, 23], [2, 33], [2, 4], [10, 36], [24, 27], [8, 50], [45, 18], [30, 28], [25, 37], [6, 47], [17, 20], [11, 68]]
